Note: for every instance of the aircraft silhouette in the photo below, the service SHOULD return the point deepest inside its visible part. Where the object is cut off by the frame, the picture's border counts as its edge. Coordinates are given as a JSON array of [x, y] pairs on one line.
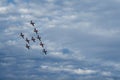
[[35, 30], [27, 46], [28, 41], [45, 51], [32, 23], [38, 37], [33, 39], [41, 44], [22, 35]]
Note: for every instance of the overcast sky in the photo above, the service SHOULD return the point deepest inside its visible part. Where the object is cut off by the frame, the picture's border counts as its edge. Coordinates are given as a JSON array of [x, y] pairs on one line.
[[82, 38]]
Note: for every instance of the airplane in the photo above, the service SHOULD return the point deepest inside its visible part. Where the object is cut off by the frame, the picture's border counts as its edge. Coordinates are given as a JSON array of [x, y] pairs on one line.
[[28, 41], [27, 46], [38, 37], [41, 44], [22, 35], [35, 30], [45, 51], [33, 39], [32, 23]]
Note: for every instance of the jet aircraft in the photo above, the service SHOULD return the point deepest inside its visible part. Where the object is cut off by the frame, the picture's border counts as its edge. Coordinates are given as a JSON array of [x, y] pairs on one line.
[[22, 35], [33, 39], [35, 30], [45, 51], [27, 40], [41, 44], [27, 46], [38, 37], [32, 23]]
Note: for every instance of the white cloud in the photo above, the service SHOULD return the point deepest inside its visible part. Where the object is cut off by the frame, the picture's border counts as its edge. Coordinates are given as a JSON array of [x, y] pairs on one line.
[[6, 9], [59, 54], [11, 42], [68, 69], [3, 10], [12, 29], [80, 71], [115, 65], [35, 47], [106, 73], [104, 33], [24, 10], [76, 56]]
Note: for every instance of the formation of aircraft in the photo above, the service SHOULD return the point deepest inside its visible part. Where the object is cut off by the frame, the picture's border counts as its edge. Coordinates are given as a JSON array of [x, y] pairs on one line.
[[34, 39]]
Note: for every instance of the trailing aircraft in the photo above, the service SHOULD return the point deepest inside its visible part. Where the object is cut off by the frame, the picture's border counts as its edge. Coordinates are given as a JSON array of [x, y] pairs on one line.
[[32, 23], [27, 40], [33, 39], [27, 46], [45, 51], [22, 35], [41, 44], [38, 37], [35, 30]]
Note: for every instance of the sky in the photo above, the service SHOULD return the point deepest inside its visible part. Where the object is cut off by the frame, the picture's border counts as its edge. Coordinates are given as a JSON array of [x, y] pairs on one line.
[[82, 38]]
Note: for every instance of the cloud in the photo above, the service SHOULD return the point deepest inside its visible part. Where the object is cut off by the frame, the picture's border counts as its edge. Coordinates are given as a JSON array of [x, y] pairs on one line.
[[81, 37], [67, 69], [106, 73], [3, 9]]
